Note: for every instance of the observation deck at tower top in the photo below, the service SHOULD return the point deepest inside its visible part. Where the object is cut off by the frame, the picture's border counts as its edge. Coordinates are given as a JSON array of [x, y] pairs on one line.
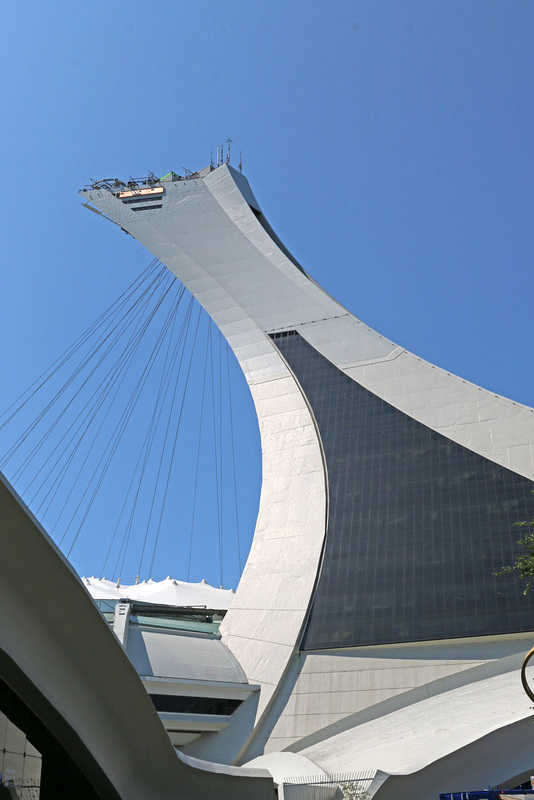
[[116, 184]]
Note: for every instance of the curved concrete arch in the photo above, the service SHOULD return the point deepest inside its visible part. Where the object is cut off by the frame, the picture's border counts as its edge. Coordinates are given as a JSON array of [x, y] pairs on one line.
[[210, 237], [59, 657]]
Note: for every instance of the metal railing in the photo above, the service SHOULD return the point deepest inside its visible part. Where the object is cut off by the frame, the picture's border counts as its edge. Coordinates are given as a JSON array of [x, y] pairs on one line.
[[116, 184], [342, 786]]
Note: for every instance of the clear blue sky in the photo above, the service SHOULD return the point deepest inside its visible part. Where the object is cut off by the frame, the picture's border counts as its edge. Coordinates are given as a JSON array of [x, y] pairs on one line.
[[389, 143]]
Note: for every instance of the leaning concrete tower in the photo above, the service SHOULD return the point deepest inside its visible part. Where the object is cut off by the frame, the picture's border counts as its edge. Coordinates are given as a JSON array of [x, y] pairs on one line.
[[390, 487]]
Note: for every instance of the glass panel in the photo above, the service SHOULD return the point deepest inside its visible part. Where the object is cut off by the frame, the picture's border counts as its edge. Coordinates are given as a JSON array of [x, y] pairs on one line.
[[417, 523], [177, 704]]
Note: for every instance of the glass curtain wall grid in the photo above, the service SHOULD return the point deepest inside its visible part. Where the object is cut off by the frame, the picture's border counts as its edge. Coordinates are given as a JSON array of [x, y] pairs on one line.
[[417, 524]]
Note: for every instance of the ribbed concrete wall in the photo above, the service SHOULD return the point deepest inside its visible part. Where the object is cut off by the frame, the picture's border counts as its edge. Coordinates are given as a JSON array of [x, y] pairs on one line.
[[329, 692]]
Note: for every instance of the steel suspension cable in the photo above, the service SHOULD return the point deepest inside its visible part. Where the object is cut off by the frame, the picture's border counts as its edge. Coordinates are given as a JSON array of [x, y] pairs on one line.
[[70, 435], [112, 447], [198, 458], [162, 395], [175, 442], [181, 343], [129, 354], [233, 456], [221, 454], [215, 457], [151, 433], [63, 389], [149, 438], [115, 372], [45, 376], [101, 393]]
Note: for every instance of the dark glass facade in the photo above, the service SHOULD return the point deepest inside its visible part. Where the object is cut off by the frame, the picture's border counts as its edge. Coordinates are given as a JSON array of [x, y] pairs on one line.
[[178, 704], [417, 524]]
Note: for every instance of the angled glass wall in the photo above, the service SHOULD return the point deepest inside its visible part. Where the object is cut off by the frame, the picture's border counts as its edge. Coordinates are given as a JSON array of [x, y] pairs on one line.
[[417, 524]]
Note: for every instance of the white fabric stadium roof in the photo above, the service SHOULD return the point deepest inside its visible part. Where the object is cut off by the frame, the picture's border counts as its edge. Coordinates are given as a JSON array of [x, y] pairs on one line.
[[168, 592]]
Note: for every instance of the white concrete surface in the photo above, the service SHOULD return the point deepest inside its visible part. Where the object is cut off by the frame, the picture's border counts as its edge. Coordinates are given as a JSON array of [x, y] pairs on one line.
[[409, 740], [164, 653], [287, 765], [329, 692], [59, 655]]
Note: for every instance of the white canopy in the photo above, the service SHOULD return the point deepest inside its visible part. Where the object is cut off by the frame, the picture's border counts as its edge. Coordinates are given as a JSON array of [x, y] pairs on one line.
[[168, 592]]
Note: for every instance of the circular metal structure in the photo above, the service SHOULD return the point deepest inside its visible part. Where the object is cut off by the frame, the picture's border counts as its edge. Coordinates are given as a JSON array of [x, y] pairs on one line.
[[526, 687]]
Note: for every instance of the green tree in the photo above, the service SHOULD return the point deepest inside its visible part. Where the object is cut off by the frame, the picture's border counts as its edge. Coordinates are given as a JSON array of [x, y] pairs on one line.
[[524, 563], [353, 790]]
